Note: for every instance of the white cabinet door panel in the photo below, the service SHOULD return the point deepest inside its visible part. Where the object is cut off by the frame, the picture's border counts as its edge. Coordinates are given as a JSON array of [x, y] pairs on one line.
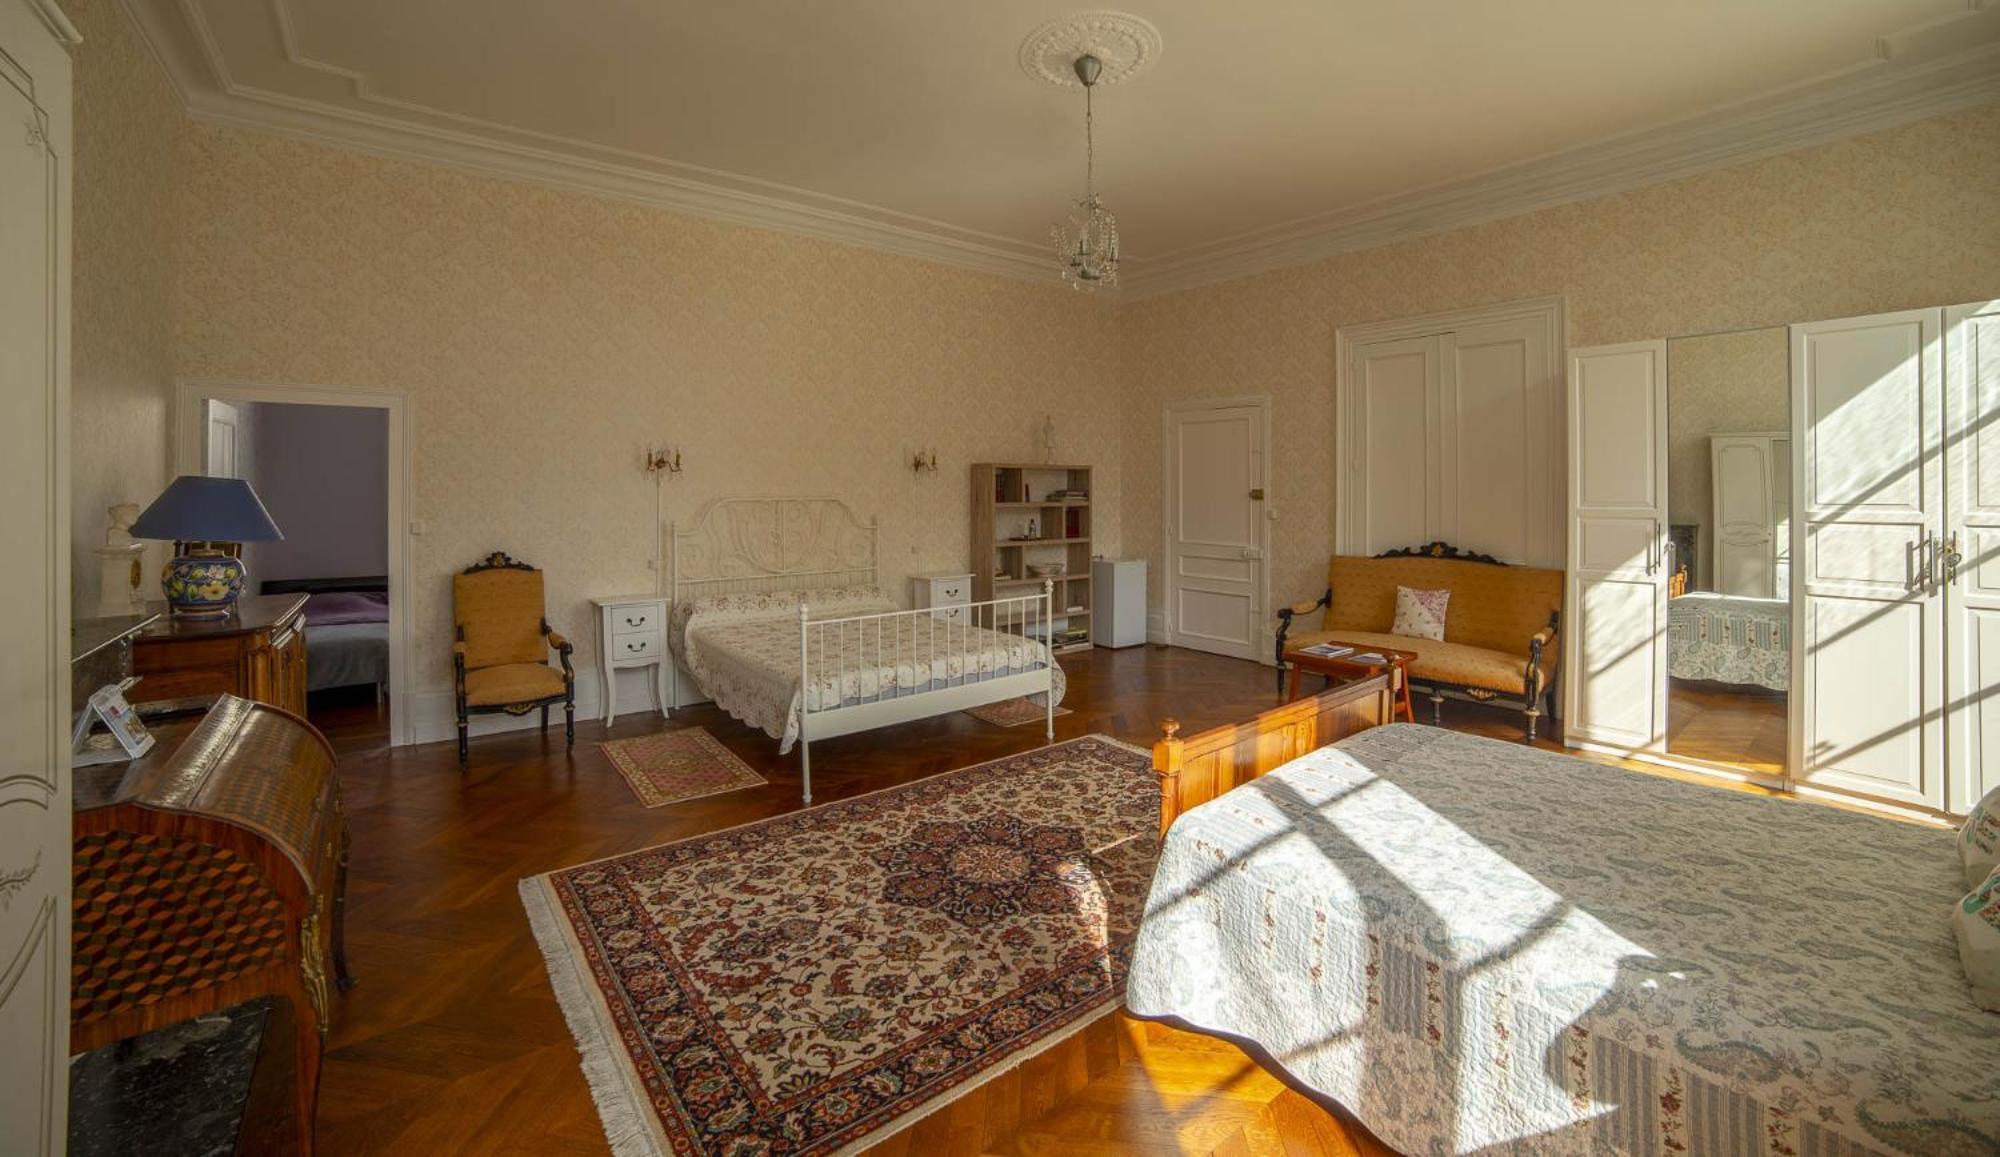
[[1615, 650], [1869, 657], [1972, 594], [1392, 444]]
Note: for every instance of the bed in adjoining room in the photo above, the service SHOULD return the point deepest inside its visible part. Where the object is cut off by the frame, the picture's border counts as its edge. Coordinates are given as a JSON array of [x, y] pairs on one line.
[[347, 630], [1473, 946]]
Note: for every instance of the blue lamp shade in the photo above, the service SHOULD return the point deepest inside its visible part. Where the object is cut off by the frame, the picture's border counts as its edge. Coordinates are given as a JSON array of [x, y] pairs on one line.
[[206, 582], [197, 509]]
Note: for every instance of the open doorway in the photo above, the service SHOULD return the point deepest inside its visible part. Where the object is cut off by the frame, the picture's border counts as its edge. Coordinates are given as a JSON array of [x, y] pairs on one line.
[[329, 466]]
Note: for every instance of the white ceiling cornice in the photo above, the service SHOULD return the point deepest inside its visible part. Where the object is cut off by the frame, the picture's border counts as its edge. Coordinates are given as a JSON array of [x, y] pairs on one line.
[[1862, 100]]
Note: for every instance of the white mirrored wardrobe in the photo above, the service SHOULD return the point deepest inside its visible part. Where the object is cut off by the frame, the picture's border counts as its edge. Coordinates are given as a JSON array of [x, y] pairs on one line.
[[1785, 554]]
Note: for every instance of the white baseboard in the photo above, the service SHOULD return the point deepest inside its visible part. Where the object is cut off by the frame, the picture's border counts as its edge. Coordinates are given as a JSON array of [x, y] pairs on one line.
[[433, 714]]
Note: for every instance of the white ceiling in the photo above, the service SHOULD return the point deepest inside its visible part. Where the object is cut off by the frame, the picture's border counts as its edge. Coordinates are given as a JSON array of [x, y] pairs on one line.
[[1268, 130]]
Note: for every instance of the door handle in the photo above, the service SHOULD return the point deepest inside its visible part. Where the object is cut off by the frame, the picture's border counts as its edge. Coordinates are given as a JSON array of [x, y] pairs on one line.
[[1927, 576], [1950, 556]]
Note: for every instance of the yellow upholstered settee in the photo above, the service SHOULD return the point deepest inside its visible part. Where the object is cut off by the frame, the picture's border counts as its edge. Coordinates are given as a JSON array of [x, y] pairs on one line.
[[1500, 628], [500, 650]]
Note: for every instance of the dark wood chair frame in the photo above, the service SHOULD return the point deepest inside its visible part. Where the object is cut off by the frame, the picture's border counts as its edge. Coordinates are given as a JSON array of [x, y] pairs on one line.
[[499, 560], [1535, 693]]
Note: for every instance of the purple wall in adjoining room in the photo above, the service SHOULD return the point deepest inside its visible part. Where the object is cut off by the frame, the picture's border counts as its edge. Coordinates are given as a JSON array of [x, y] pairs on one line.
[[323, 472]]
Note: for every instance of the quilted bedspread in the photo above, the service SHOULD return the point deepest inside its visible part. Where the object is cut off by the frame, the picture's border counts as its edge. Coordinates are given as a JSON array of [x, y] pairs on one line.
[[744, 651], [1476, 946]]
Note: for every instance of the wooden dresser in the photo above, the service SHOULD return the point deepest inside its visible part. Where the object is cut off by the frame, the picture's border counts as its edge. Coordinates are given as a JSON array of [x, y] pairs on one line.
[[258, 653], [207, 873]]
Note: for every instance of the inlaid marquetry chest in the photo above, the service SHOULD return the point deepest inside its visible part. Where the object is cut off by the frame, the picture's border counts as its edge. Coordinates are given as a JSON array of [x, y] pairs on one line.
[[207, 873]]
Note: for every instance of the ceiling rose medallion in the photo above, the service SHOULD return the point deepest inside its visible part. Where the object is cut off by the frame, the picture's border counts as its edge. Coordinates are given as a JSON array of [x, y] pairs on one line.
[[1088, 50]]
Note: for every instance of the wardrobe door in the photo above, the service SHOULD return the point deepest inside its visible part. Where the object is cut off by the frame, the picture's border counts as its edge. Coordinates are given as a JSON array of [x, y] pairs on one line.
[[1615, 645], [1391, 434], [1867, 400], [1972, 530], [1746, 556]]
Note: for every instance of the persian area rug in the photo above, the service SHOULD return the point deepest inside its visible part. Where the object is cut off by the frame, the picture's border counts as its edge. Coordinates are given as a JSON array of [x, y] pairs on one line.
[[676, 765], [811, 983], [1012, 712]]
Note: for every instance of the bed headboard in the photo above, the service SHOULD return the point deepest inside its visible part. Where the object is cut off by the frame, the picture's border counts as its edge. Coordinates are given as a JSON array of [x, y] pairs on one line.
[[763, 544]]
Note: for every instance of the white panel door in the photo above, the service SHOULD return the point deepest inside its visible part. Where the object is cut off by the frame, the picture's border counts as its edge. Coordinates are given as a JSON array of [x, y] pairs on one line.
[[225, 440], [34, 625], [1972, 586], [1746, 555], [1498, 482], [1215, 527], [1390, 431], [1615, 648], [1867, 405]]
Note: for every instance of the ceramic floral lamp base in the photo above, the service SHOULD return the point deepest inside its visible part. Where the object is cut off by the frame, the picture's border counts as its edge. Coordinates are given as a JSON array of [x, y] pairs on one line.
[[203, 586]]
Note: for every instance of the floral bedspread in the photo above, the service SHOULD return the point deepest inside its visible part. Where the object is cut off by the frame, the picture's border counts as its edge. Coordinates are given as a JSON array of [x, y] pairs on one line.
[[1730, 639], [1473, 945], [744, 651]]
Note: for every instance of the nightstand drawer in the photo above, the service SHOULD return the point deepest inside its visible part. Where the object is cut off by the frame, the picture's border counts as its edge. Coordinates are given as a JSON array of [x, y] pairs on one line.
[[640, 618], [958, 614], [637, 647]]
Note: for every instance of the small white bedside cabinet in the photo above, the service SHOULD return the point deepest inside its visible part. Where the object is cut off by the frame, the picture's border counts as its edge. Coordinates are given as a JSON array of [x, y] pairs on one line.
[[945, 594], [632, 632]]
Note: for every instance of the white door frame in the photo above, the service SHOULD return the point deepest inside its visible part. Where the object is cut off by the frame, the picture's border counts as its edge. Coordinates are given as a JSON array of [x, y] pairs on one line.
[[1549, 311], [189, 436], [1267, 515]]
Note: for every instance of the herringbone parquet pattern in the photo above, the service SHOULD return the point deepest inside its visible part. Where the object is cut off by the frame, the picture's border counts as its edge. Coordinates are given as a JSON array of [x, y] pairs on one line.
[[453, 1043]]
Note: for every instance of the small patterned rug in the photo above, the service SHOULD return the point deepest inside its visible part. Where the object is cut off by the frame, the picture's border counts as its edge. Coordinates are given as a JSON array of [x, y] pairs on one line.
[[1012, 712], [676, 765], [814, 982]]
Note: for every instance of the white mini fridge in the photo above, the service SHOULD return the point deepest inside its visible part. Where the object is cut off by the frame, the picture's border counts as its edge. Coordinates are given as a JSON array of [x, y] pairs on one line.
[[1118, 590]]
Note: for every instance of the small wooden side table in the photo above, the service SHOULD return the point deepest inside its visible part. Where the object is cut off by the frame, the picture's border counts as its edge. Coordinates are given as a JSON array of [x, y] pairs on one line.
[[1359, 661]]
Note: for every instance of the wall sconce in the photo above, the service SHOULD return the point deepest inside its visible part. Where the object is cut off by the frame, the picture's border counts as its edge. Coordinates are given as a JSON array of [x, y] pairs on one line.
[[925, 461], [662, 462]]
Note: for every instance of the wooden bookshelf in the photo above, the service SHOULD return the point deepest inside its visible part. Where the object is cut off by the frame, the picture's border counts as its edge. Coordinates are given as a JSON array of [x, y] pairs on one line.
[[1016, 523]]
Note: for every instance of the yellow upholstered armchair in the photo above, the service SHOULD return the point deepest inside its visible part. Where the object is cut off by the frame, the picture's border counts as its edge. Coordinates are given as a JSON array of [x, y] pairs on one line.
[[500, 658]]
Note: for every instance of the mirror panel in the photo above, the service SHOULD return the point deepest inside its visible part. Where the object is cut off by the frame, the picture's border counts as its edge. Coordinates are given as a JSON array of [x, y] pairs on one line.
[[1729, 475]]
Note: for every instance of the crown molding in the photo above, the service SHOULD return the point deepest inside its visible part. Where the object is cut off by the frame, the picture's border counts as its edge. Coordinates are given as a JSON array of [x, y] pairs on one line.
[[1864, 100], [1876, 96]]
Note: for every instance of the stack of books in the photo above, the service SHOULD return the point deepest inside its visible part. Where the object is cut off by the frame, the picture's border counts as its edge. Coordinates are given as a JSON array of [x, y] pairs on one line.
[[1071, 495]]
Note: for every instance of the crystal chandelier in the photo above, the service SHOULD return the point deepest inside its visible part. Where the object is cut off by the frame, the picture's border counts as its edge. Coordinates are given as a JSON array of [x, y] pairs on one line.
[[1087, 242]]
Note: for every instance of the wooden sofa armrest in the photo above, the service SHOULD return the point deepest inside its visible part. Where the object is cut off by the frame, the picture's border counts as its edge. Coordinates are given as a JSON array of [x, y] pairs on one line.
[[1531, 679], [562, 647], [1201, 767], [1285, 615]]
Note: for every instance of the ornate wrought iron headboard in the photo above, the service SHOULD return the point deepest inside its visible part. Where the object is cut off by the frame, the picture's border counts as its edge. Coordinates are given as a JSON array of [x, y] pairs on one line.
[[762, 544]]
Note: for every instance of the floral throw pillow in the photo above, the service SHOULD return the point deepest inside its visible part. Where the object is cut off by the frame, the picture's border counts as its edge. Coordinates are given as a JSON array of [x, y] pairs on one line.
[[1977, 923], [1979, 840], [1420, 614]]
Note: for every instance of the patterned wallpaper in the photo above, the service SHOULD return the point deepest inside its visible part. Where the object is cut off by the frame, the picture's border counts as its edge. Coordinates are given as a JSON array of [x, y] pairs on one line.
[[544, 338], [1718, 383], [1898, 219], [121, 353]]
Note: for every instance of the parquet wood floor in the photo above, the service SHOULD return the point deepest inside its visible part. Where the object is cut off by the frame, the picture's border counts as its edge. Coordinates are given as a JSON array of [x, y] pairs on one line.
[[453, 1042]]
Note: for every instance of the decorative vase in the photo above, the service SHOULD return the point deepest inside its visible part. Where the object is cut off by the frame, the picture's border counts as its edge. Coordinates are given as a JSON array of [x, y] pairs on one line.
[[203, 586]]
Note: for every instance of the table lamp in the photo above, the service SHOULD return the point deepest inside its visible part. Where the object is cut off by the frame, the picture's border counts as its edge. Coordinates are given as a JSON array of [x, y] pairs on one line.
[[208, 520]]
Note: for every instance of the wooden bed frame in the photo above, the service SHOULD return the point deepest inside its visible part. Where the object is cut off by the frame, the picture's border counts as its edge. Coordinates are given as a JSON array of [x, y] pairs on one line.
[[1201, 767]]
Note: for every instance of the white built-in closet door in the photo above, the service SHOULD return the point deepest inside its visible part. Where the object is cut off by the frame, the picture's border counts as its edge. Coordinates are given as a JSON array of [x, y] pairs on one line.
[[1867, 400], [1392, 444], [1972, 593], [1615, 648], [1499, 487]]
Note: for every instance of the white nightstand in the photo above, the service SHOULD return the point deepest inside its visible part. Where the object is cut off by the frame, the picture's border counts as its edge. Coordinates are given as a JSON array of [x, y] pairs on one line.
[[632, 632], [945, 594]]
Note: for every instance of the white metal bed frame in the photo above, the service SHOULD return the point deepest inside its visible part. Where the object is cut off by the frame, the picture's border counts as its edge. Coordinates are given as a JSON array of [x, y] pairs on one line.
[[750, 545]]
